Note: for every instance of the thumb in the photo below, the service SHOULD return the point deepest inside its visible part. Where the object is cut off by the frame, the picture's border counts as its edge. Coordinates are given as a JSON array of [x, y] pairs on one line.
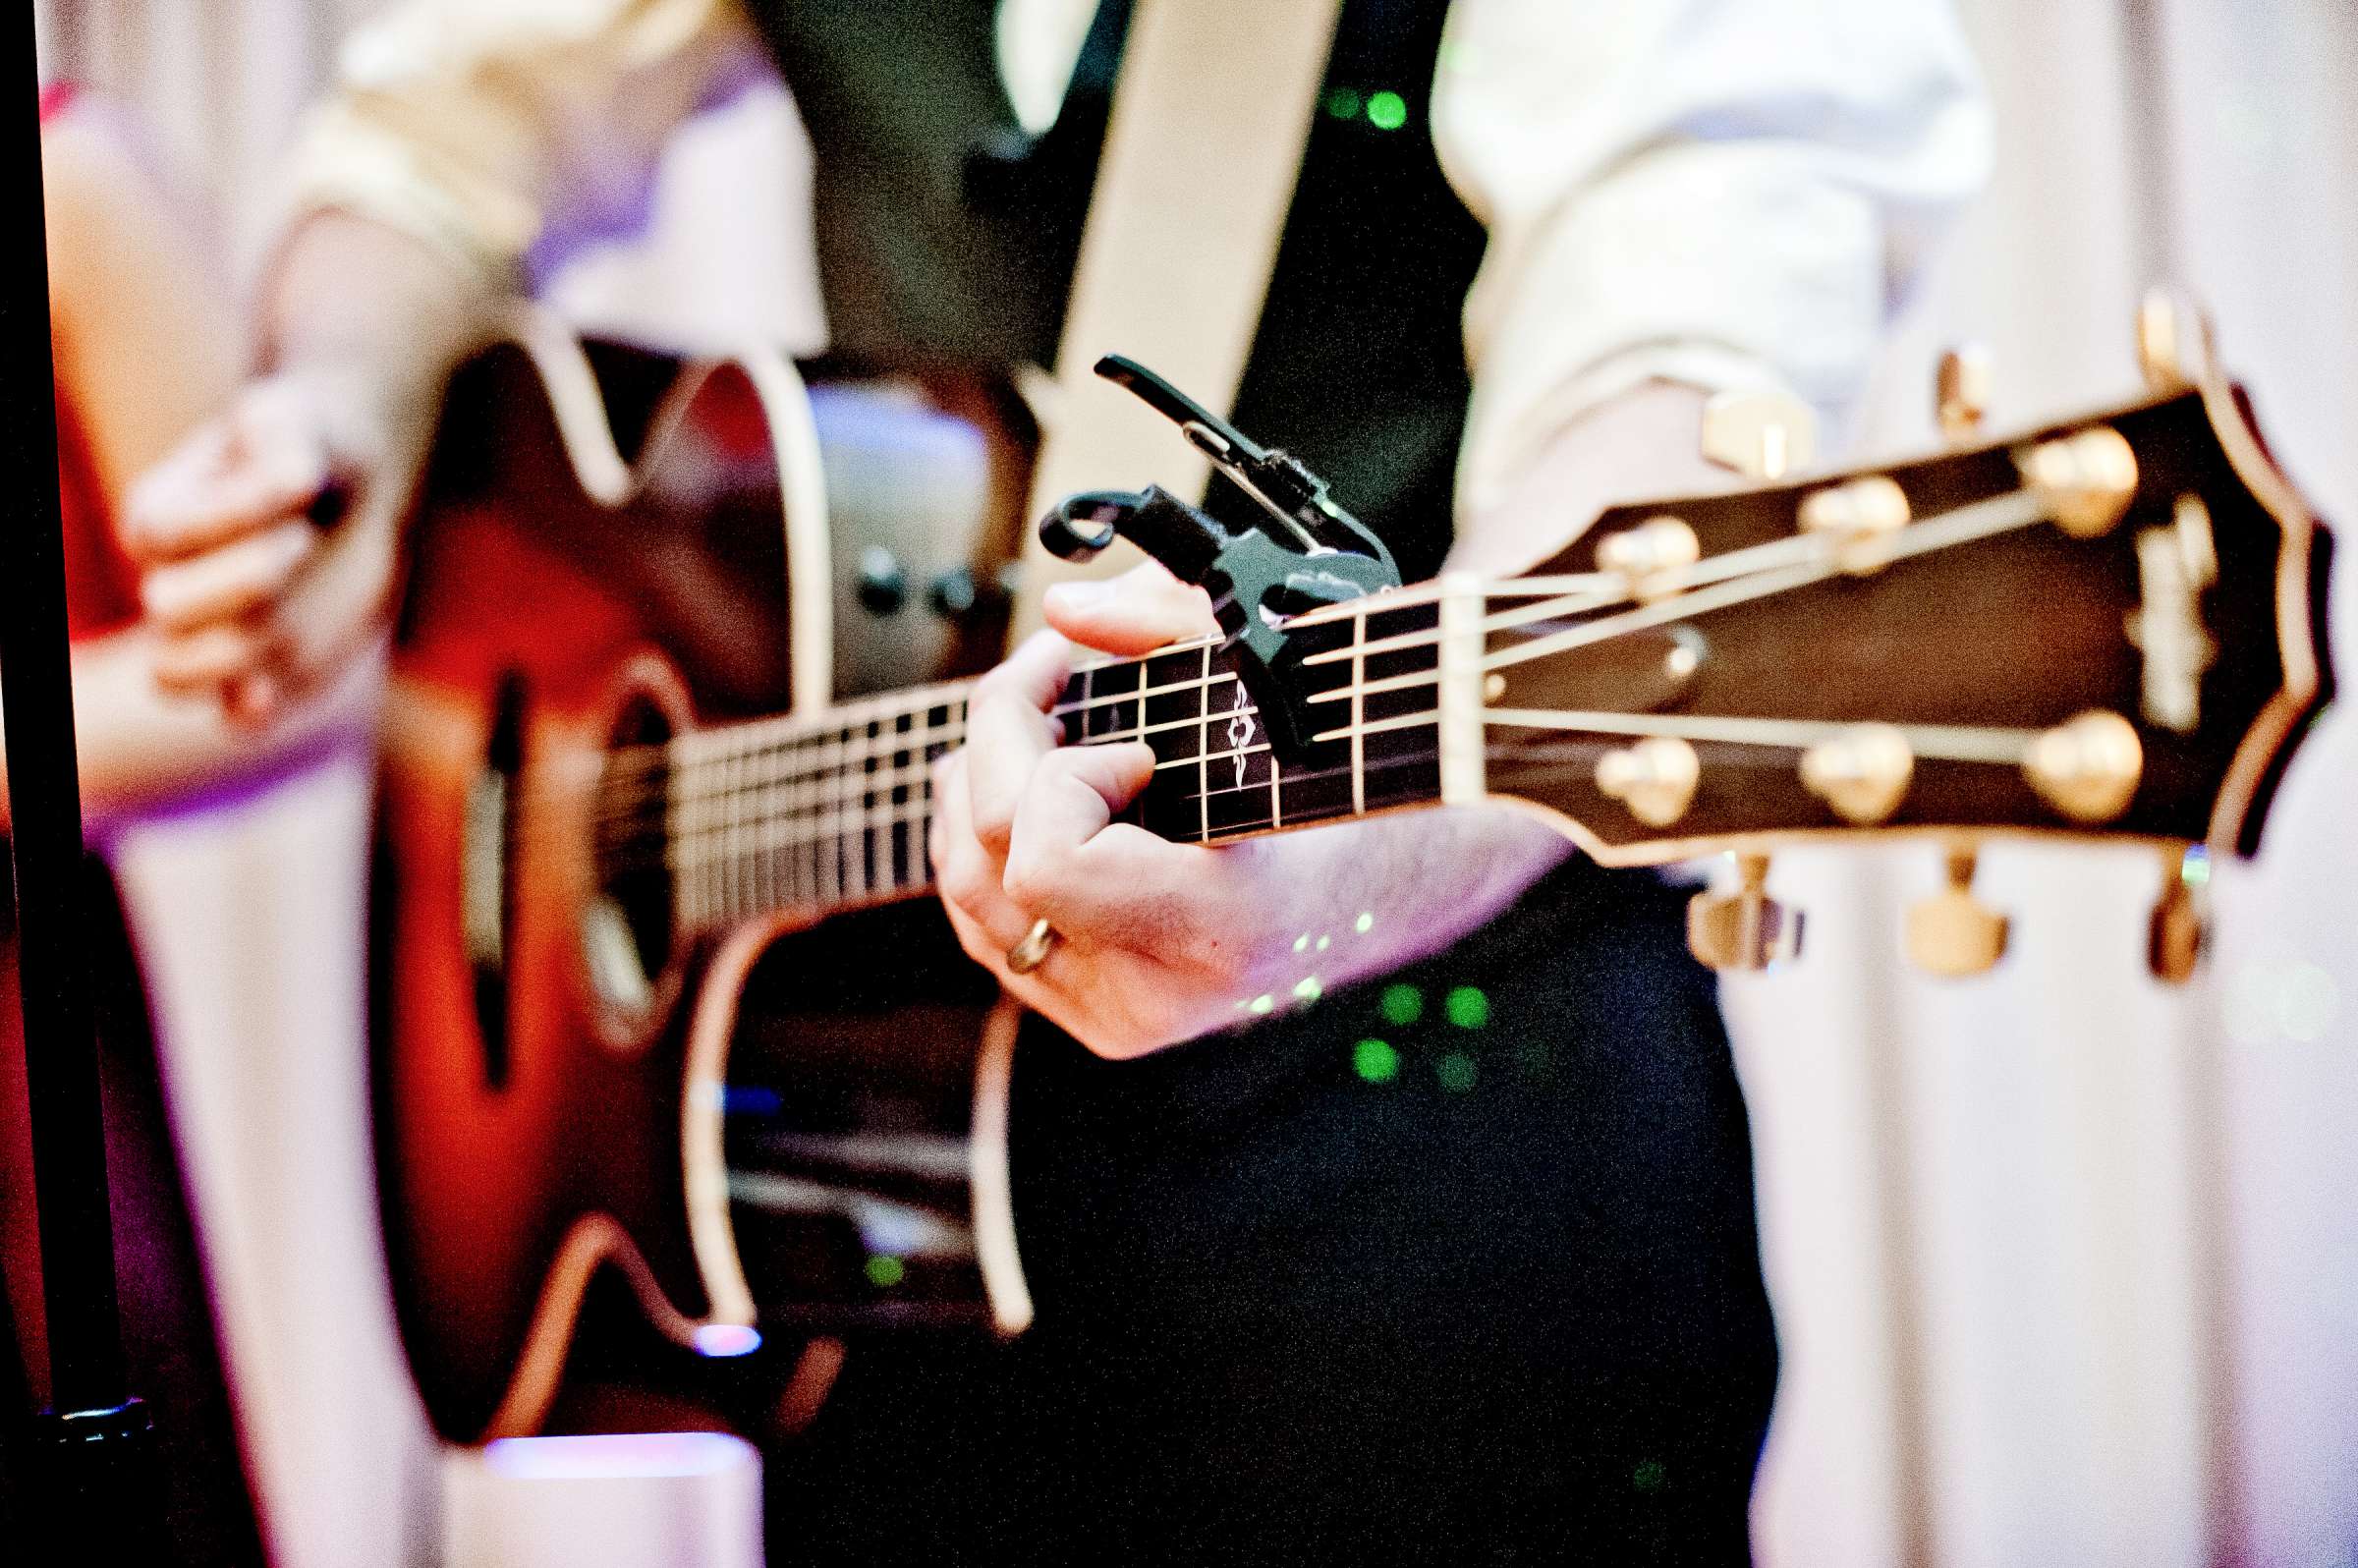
[[1138, 612]]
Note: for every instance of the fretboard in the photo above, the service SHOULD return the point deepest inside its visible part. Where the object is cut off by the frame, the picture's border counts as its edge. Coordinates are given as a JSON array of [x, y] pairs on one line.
[[831, 813]]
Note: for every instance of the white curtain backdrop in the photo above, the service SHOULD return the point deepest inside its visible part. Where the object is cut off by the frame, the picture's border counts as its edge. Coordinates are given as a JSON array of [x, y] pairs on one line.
[[2063, 1258]]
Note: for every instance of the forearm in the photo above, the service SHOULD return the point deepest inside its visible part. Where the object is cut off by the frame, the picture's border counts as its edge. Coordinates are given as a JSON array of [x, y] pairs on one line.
[[1642, 444], [353, 295], [137, 747]]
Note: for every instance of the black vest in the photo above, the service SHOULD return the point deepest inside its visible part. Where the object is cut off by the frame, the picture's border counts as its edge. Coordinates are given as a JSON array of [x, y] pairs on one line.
[[946, 235]]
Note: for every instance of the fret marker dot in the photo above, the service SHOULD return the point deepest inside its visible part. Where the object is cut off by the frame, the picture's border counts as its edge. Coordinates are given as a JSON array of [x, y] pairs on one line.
[[1302, 941], [1324, 943], [1309, 989], [1375, 1061], [1401, 1004], [1467, 1007], [1365, 923], [1262, 1003]]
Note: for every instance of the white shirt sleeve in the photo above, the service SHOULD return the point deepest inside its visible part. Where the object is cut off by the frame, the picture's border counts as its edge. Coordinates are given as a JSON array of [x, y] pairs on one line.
[[476, 124], [1722, 193]]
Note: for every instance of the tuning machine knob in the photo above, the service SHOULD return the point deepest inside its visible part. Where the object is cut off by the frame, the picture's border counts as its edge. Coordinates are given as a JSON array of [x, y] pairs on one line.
[[1655, 778], [2175, 345], [1953, 933], [2087, 479], [1651, 557], [1860, 522], [1745, 928], [2178, 930], [1861, 770], [1762, 436], [1961, 388], [2088, 767]]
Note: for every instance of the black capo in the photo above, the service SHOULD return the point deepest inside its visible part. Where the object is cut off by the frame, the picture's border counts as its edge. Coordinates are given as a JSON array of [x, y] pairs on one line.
[[1310, 551]]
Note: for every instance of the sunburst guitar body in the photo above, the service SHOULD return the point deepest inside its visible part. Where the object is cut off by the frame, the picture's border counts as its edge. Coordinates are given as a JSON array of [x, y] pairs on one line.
[[565, 1079]]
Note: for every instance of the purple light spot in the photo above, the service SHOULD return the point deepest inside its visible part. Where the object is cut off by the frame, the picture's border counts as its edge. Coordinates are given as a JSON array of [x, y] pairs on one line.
[[727, 1339], [617, 1455]]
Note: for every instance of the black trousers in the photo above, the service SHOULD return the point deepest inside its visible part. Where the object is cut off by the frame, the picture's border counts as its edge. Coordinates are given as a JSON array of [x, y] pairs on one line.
[[1457, 1266]]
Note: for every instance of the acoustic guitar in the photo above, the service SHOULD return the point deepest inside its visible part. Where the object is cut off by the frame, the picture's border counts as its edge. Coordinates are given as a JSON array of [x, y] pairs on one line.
[[2110, 627]]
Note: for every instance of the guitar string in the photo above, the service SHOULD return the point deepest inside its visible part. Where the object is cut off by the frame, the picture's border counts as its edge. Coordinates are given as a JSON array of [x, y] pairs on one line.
[[854, 803], [1978, 519], [1997, 513]]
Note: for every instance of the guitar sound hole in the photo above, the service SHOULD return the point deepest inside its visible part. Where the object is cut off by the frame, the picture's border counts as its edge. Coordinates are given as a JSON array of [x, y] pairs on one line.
[[626, 931]]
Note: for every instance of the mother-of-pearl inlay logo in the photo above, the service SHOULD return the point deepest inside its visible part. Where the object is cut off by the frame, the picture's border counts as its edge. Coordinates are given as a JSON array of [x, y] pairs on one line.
[[1240, 733]]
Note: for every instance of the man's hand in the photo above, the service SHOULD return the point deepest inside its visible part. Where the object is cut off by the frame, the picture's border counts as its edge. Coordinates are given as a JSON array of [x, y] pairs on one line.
[[1160, 942], [269, 538]]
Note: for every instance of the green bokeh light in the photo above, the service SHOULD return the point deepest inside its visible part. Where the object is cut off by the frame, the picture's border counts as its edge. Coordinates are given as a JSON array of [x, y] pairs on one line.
[[1467, 1007], [885, 1270], [1401, 1004], [1343, 102], [1387, 110], [1375, 1061], [1650, 1475], [1456, 1070]]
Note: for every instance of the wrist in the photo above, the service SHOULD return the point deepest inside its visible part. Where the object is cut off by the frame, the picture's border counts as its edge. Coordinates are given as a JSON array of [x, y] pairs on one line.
[[1385, 893], [392, 343]]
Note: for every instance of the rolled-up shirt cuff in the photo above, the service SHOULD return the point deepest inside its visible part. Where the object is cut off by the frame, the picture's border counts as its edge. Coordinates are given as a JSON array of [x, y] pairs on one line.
[[345, 162], [1717, 265]]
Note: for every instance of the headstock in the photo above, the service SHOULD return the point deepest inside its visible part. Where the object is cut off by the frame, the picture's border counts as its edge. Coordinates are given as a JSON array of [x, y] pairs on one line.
[[2108, 627]]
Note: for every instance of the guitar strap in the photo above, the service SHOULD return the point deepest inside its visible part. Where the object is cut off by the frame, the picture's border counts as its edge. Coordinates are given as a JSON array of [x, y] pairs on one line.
[[1201, 151]]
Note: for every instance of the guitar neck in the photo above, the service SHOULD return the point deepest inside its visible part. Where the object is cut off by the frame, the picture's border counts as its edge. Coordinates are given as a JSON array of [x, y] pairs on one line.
[[829, 813]]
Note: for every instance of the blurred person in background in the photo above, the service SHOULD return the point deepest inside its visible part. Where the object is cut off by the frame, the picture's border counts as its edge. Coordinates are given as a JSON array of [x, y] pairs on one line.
[[1277, 1313], [145, 345]]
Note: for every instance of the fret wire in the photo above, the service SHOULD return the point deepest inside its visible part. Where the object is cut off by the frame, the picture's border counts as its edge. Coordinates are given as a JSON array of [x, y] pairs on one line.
[[769, 843], [1063, 708], [815, 755], [1359, 675], [839, 803], [1423, 759], [857, 849], [1203, 747], [729, 899]]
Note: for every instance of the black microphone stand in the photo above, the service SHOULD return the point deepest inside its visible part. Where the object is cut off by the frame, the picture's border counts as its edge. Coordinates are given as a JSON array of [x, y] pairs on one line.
[[84, 1470]]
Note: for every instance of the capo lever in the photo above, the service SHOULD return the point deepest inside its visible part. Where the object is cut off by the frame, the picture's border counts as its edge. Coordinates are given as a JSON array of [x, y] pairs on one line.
[[1294, 497], [1310, 553]]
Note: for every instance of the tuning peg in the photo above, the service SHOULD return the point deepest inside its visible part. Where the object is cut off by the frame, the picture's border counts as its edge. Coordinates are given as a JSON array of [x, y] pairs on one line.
[[1953, 933], [1961, 390], [1861, 770], [2174, 340], [2087, 479], [2088, 767], [2179, 928], [1651, 557], [1859, 519], [1762, 436], [1745, 930], [1655, 778]]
